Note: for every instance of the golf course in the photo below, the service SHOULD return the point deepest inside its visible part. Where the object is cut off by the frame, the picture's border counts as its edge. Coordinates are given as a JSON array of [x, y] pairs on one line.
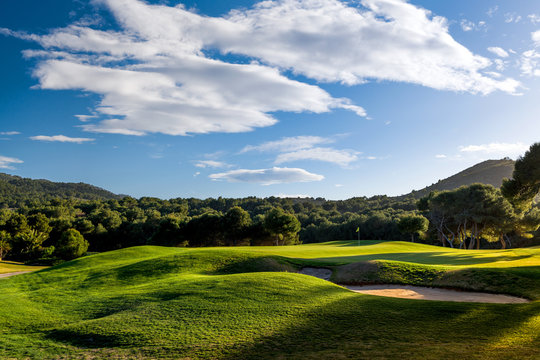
[[252, 303]]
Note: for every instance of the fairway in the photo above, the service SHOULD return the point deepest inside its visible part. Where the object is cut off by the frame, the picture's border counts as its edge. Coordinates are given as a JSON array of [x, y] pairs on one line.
[[249, 303]]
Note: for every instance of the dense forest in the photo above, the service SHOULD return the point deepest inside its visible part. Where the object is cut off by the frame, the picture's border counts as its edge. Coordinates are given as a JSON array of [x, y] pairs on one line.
[[35, 230], [46, 222], [16, 191]]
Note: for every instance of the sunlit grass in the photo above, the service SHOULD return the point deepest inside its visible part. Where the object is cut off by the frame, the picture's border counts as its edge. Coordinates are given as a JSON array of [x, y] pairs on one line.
[[240, 303], [11, 266], [344, 252]]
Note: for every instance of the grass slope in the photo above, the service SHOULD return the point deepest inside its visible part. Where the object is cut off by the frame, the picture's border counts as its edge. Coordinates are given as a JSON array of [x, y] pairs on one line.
[[241, 303]]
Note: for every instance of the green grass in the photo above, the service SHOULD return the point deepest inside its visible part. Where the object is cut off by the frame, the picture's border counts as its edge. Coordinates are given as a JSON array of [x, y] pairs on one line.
[[247, 303], [11, 266]]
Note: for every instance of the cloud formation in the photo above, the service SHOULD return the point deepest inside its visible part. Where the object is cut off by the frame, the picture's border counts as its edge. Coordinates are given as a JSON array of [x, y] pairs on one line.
[[501, 149], [535, 36], [304, 148], [9, 133], [211, 164], [286, 144], [467, 25], [340, 157], [61, 138], [156, 72], [6, 162], [498, 51], [275, 175]]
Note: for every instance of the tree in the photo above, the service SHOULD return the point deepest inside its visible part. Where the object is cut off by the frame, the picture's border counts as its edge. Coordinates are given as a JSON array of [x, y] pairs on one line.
[[470, 213], [71, 245], [282, 226], [5, 243], [525, 182], [205, 230], [169, 232], [236, 221], [413, 224]]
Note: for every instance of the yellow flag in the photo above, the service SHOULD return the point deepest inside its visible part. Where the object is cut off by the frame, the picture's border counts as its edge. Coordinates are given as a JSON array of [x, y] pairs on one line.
[[358, 229]]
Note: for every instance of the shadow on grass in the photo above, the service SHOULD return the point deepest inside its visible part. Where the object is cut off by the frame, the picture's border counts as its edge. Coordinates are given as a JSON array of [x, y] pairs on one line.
[[361, 327], [87, 340]]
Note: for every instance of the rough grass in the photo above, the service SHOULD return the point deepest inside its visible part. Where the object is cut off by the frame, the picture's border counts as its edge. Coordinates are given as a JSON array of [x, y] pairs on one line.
[[153, 302]]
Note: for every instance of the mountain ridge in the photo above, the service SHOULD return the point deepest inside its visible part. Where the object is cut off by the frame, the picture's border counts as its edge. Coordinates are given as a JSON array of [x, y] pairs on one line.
[[491, 172], [487, 172], [15, 190]]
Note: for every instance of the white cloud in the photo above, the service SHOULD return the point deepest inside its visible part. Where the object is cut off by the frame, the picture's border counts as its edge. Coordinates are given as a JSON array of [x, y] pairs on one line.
[[467, 25], [500, 65], [512, 18], [339, 185], [492, 10], [535, 36], [340, 157], [271, 176], [6, 162], [498, 51], [330, 41], [211, 164], [197, 174], [440, 156], [305, 148], [289, 144], [153, 74], [85, 118], [494, 74], [534, 18], [61, 138], [9, 133], [530, 63], [500, 149], [289, 196]]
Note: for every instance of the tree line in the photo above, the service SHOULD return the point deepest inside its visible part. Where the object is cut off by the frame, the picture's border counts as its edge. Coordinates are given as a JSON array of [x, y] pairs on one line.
[[45, 229], [465, 216]]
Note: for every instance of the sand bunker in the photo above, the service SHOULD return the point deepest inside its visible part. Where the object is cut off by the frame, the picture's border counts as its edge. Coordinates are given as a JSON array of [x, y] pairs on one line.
[[5, 275], [426, 293]]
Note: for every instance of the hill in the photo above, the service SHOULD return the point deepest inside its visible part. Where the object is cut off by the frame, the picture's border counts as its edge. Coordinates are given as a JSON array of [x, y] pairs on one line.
[[490, 172], [248, 303], [15, 191]]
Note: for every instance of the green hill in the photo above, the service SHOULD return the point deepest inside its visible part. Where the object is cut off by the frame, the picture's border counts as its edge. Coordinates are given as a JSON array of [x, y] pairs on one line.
[[488, 172], [15, 190], [241, 303]]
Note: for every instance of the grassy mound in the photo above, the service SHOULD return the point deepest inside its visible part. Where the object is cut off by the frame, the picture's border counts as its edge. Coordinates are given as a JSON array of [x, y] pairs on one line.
[[153, 302], [523, 282]]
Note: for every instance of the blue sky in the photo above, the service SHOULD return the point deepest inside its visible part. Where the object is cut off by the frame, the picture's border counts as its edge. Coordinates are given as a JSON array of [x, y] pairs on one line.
[[316, 98]]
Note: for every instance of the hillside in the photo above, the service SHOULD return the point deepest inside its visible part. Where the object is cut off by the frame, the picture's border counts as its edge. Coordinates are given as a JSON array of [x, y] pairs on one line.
[[15, 190], [248, 303], [488, 172]]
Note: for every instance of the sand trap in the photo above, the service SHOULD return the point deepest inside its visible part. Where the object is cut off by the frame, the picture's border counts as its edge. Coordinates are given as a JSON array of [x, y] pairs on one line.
[[426, 293], [6, 275]]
